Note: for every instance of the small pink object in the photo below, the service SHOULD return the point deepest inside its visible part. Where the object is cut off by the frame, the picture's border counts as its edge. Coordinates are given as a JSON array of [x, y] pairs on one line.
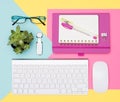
[[94, 37], [66, 25]]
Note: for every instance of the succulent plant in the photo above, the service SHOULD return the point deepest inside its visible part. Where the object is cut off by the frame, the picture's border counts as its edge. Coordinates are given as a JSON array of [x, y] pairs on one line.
[[20, 40]]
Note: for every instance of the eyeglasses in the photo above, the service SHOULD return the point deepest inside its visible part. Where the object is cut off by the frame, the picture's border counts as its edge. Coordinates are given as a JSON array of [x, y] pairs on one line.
[[35, 20]]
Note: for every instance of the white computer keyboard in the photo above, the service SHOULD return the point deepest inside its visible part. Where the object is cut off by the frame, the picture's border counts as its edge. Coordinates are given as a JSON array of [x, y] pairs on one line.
[[50, 77]]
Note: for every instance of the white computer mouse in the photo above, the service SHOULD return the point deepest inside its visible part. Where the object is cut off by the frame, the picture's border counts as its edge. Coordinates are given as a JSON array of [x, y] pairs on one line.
[[100, 76]]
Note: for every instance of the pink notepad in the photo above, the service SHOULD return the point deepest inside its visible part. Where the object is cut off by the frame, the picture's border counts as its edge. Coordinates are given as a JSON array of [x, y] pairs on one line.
[[72, 41]]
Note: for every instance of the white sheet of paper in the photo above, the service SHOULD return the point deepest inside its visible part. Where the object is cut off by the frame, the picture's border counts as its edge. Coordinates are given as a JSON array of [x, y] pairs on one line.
[[89, 23]]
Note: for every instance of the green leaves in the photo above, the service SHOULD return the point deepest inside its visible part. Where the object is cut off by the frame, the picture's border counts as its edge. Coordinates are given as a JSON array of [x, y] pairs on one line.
[[18, 29], [20, 40]]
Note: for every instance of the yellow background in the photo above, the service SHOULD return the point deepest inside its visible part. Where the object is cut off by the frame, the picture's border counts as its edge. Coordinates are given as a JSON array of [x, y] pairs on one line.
[[110, 96], [39, 7]]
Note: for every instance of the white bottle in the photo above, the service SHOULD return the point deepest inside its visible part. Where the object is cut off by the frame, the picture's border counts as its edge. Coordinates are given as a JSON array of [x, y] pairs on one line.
[[39, 44]]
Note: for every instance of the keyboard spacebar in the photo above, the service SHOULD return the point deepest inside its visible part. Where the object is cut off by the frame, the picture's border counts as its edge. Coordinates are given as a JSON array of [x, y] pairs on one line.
[[47, 91]]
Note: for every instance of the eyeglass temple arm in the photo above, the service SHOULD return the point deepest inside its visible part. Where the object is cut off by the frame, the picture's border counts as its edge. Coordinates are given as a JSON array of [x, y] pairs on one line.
[[15, 22], [42, 22]]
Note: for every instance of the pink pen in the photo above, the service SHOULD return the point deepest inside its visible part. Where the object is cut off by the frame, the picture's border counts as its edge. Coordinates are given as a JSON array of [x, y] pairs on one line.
[[68, 25]]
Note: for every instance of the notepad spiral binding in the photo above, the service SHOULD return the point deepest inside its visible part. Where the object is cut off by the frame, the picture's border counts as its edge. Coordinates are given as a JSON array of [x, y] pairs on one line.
[[78, 41]]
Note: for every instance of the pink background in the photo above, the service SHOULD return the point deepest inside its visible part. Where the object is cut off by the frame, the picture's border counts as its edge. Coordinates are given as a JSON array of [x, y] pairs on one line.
[[112, 59]]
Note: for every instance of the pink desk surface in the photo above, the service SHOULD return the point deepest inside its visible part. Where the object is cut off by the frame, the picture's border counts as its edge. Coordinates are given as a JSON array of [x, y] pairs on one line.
[[112, 59]]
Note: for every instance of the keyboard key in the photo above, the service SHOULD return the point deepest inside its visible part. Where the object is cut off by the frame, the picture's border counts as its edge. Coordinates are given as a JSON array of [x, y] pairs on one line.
[[21, 86], [25, 91], [47, 91], [63, 91], [19, 91], [26, 86], [15, 85], [17, 80], [30, 91], [14, 91]]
